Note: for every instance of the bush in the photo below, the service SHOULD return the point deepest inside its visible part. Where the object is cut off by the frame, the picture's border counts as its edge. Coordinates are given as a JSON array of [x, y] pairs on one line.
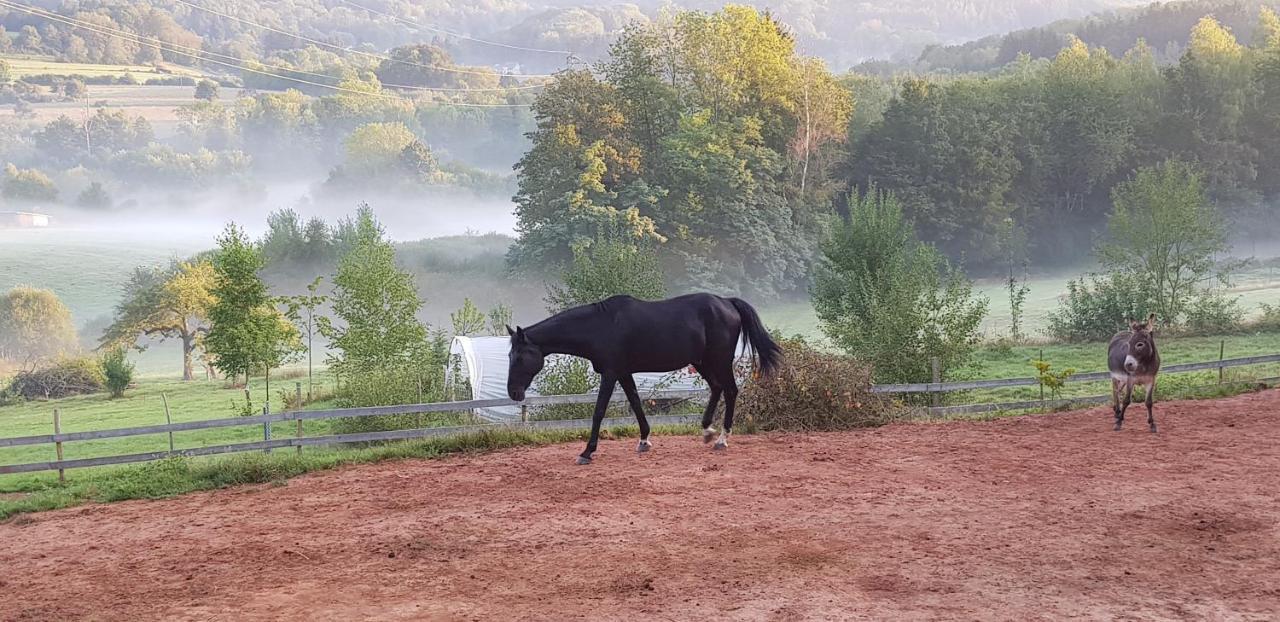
[[70, 376], [813, 390], [1099, 306], [1212, 313], [117, 371]]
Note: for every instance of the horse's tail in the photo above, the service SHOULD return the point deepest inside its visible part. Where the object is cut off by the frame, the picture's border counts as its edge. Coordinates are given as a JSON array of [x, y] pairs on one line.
[[769, 352]]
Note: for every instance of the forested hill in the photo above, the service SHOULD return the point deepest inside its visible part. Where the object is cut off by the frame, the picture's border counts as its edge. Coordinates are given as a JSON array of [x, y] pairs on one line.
[[506, 33], [1165, 26]]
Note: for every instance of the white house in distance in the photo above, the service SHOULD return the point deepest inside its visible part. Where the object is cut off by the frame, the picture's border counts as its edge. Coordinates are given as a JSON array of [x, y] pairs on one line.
[[23, 220]]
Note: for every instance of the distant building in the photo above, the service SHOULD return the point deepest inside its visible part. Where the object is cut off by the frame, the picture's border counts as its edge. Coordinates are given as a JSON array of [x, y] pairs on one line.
[[22, 220]]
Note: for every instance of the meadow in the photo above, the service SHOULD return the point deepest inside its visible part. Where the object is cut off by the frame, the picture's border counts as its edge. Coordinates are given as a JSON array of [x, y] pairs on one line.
[[21, 66]]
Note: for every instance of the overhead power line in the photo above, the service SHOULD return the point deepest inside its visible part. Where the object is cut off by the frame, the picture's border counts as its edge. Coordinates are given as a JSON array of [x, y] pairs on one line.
[[200, 56], [339, 47]]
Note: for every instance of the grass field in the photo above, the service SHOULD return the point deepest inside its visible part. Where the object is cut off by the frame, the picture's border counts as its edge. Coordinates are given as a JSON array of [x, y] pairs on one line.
[[22, 66]]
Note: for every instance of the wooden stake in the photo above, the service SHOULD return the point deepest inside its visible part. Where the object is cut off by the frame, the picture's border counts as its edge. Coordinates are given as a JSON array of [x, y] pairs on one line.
[[1222, 350], [167, 419], [934, 397], [57, 429], [298, 391]]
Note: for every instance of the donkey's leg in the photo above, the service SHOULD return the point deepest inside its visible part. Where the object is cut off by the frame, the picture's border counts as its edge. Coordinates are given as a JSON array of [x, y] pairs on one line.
[[730, 400], [602, 404], [1128, 398], [1115, 403], [1151, 397], [633, 397]]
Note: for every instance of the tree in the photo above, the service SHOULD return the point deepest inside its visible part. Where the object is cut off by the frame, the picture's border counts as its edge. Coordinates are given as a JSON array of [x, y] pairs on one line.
[[887, 298], [1164, 231], [95, 196], [246, 331], [607, 267], [75, 89], [377, 303], [301, 310], [34, 326], [207, 90], [380, 344], [374, 148], [170, 304], [28, 185], [467, 320]]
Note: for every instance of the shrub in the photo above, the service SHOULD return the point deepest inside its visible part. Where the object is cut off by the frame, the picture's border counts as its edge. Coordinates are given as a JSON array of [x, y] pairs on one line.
[[887, 298], [1097, 307], [69, 376], [117, 371], [1213, 313], [813, 390]]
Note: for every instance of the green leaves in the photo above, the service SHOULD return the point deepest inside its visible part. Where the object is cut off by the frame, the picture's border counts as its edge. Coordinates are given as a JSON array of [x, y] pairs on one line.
[[884, 297], [246, 332]]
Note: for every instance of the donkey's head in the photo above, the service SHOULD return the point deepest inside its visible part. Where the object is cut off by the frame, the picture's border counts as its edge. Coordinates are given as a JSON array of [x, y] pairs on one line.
[[526, 360], [1142, 344]]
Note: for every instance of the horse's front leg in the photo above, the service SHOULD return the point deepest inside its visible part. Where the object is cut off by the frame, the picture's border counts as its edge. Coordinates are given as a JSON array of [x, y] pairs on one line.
[[607, 381], [633, 397]]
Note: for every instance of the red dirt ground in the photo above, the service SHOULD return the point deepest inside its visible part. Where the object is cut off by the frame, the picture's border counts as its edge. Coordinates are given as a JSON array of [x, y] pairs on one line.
[[1040, 517]]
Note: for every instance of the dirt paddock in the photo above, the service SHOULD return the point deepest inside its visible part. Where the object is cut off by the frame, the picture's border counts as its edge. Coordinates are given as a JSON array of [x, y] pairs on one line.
[[1040, 517]]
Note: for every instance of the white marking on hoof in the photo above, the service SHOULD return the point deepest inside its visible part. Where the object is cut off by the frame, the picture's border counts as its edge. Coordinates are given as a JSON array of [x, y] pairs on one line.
[[707, 434], [582, 460], [723, 441], [644, 446]]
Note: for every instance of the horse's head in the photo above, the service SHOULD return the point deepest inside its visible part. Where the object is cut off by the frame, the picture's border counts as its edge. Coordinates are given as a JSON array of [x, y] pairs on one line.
[[526, 360], [1142, 344]]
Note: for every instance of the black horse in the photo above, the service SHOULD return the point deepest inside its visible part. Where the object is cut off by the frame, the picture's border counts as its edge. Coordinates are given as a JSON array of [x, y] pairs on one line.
[[622, 336]]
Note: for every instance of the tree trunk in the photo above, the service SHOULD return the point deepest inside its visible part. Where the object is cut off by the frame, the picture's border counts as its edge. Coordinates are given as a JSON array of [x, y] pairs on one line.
[[188, 346]]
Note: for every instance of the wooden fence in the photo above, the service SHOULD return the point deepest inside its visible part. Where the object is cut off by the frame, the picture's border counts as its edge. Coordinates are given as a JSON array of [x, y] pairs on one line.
[[299, 441]]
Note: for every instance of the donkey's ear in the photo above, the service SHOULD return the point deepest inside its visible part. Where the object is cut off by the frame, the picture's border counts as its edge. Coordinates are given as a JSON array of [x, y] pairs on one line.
[[1151, 322]]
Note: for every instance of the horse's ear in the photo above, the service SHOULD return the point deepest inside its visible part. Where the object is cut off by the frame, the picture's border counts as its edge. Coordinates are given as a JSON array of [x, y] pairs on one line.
[[510, 333]]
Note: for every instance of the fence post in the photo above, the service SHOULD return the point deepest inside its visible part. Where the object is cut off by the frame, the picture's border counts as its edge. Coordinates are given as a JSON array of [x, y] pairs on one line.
[[167, 419], [1040, 378], [1222, 350], [299, 394], [266, 426], [934, 396], [524, 413], [57, 429]]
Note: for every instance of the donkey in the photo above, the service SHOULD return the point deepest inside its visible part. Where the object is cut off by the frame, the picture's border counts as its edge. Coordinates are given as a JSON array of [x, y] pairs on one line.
[[1132, 359], [623, 335]]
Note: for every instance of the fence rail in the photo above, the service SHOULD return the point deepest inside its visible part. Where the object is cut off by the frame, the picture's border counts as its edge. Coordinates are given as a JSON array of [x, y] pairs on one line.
[[300, 441]]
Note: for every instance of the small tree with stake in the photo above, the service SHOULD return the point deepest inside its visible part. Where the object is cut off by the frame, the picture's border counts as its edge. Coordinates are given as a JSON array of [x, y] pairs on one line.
[[301, 310]]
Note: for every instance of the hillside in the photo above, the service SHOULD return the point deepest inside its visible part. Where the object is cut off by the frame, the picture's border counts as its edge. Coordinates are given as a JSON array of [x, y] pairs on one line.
[[1164, 26], [505, 34]]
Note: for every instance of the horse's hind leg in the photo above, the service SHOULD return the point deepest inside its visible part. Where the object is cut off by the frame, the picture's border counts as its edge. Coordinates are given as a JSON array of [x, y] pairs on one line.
[[633, 397], [1151, 397], [730, 401], [708, 415]]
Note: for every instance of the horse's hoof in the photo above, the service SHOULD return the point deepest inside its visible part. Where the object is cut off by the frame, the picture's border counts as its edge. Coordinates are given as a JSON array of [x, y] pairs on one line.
[[721, 446], [1153, 428], [584, 460], [708, 434], [643, 447], [1117, 428]]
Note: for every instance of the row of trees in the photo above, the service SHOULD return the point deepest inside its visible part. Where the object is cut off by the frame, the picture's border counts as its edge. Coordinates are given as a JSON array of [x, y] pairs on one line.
[[1044, 143]]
